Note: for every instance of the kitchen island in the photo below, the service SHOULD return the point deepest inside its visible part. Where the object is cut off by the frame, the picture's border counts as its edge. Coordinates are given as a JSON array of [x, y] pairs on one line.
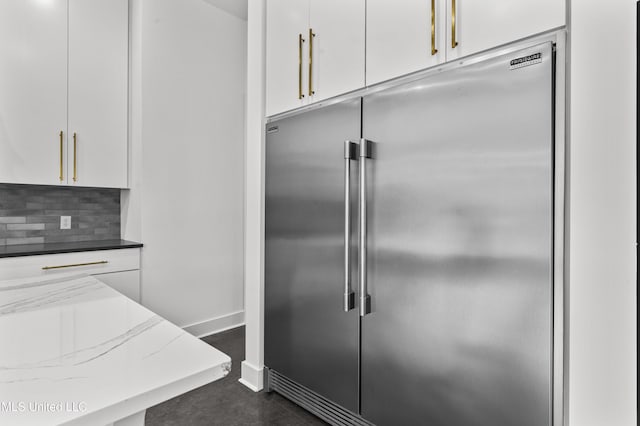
[[74, 351]]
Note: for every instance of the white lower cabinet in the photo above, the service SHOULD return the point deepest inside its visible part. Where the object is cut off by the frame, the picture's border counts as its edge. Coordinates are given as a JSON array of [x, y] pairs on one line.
[[119, 268]]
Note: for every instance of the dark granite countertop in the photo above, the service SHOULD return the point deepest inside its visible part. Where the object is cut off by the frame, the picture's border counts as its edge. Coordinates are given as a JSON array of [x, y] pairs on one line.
[[53, 248]]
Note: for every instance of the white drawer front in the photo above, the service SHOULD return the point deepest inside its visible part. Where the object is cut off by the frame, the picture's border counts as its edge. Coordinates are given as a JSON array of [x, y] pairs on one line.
[[90, 262]]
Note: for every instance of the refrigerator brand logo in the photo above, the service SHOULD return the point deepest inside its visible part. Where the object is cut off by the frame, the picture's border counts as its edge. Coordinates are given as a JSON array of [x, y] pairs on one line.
[[272, 129], [525, 61]]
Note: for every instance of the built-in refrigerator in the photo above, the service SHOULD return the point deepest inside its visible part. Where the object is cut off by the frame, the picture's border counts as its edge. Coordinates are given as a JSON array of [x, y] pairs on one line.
[[409, 249]]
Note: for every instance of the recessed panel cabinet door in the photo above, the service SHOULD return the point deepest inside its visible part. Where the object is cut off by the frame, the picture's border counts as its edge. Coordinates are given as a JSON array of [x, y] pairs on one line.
[[480, 25], [98, 61], [400, 37], [286, 54], [33, 91], [336, 47]]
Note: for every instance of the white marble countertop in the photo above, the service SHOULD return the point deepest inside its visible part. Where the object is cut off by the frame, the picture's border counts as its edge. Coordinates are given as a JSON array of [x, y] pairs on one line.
[[74, 351]]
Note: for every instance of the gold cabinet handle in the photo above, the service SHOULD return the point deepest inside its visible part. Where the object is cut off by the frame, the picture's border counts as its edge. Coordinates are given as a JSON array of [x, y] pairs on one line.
[[454, 43], [311, 36], [100, 262], [61, 154], [75, 157], [433, 28], [300, 41]]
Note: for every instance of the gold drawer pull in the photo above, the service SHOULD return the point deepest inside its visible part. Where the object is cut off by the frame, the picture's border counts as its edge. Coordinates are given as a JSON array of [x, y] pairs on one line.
[[101, 262], [454, 43], [433, 28], [61, 154], [311, 36], [75, 157], [300, 41]]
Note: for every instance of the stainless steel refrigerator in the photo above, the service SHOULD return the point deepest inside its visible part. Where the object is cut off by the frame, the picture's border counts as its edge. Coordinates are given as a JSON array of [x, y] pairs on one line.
[[408, 270]]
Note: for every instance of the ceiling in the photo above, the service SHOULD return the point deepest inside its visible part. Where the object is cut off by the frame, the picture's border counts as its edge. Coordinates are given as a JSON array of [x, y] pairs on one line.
[[236, 8]]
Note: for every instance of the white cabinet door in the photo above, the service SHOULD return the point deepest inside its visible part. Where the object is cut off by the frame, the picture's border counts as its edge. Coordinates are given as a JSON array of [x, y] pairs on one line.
[[286, 58], [33, 90], [314, 51], [127, 283], [98, 71], [337, 47], [481, 25], [400, 39], [399, 34]]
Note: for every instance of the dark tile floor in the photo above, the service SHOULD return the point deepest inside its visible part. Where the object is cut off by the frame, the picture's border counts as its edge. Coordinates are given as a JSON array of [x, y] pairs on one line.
[[227, 402]]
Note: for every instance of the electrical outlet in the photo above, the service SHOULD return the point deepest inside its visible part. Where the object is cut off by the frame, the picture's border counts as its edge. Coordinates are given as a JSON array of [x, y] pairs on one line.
[[65, 222]]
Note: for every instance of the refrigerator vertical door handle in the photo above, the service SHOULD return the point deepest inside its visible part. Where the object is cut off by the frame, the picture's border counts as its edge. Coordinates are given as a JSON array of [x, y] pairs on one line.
[[350, 153], [366, 148]]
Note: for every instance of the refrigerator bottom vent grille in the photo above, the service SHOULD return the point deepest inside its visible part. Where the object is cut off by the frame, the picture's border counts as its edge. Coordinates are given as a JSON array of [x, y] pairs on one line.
[[328, 411]]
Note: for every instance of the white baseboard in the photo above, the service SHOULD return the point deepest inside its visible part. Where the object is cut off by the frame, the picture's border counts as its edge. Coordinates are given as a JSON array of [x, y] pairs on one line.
[[216, 325], [251, 376]]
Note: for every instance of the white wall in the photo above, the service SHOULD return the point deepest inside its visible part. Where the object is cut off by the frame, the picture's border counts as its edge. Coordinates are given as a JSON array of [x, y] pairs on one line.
[[602, 214], [187, 146]]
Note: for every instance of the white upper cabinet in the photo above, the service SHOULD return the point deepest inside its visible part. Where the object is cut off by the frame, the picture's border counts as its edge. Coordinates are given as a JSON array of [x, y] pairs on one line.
[[314, 50], [64, 70], [286, 62], [483, 25], [336, 47], [98, 68], [403, 36], [33, 91]]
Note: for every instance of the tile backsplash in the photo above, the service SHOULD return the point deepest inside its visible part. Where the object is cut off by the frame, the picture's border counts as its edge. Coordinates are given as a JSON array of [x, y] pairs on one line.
[[31, 214]]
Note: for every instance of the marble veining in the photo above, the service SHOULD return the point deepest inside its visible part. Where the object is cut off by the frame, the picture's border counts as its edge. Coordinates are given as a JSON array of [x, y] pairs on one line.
[[54, 294], [61, 379], [73, 350], [84, 355], [152, 353]]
